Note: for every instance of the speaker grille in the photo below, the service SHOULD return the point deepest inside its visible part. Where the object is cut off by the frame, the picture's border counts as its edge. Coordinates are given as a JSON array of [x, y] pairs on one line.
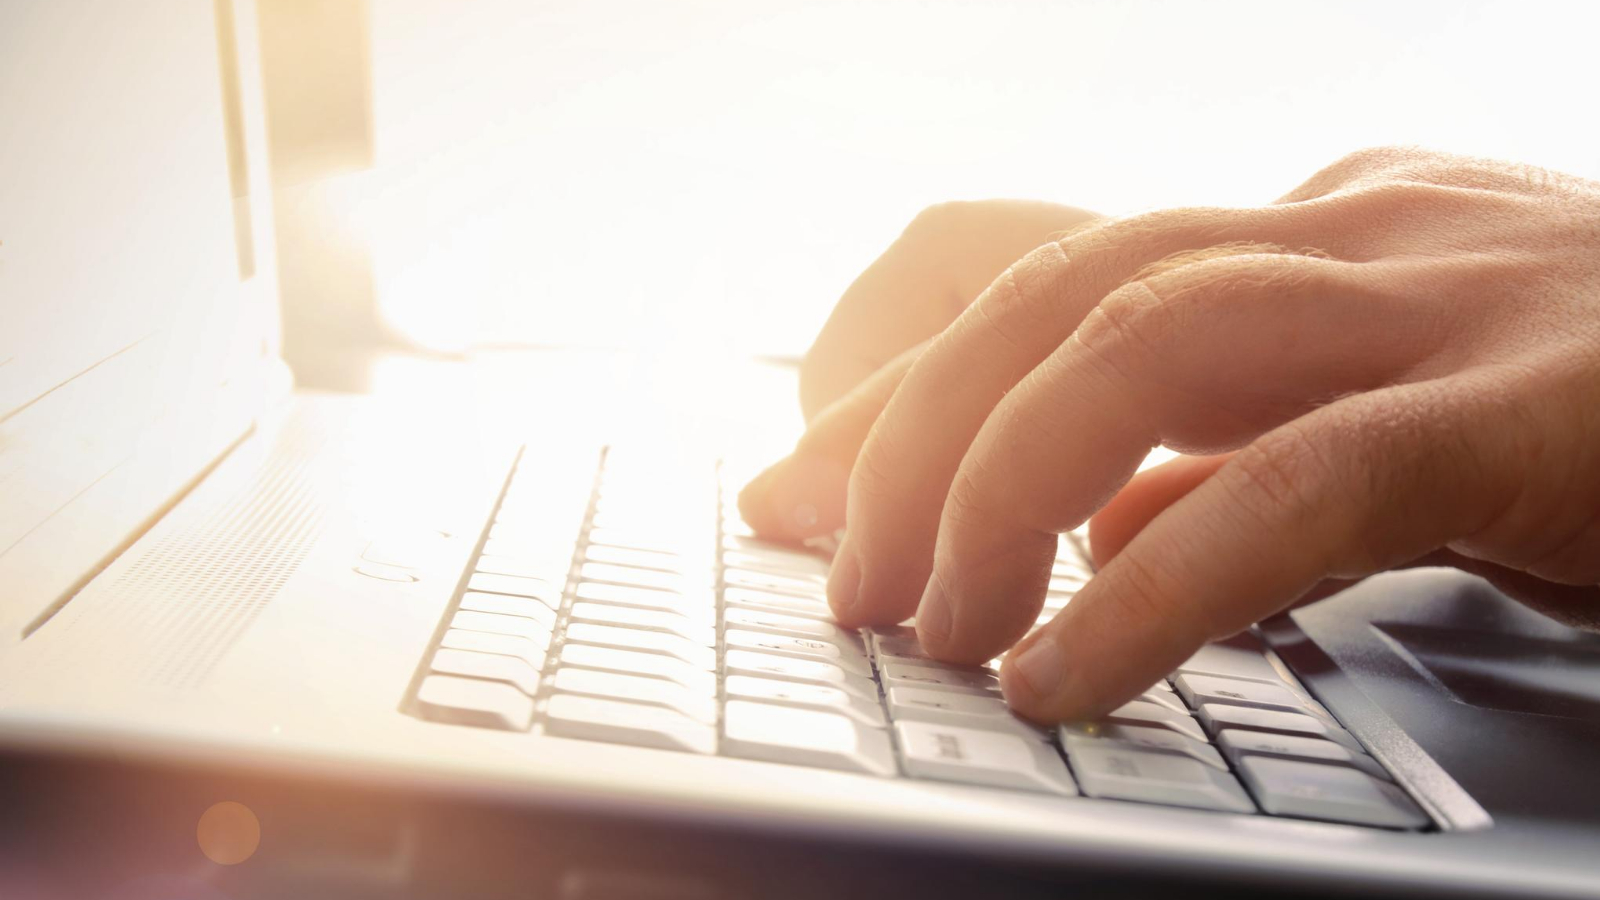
[[170, 608]]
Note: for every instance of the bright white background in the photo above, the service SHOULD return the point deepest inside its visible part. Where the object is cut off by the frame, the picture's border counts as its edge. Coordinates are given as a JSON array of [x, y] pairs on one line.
[[710, 175]]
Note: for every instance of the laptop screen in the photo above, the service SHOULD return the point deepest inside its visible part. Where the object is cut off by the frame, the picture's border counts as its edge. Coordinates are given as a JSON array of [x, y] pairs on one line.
[[137, 316]]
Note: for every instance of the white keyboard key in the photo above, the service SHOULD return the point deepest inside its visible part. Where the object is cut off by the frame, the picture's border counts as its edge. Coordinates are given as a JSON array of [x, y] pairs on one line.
[[1238, 743], [849, 659], [504, 644], [1198, 689], [636, 689], [640, 559], [632, 662], [526, 607], [1143, 712], [816, 696], [1121, 773], [806, 737], [493, 666], [777, 623], [647, 641], [1330, 793], [1142, 737], [1240, 656], [1165, 698], [545, 592], [969, 755], [1217, 716], [767, 665], [901, 649], [664, 541], [952, 708], [647, 598], [469, 701], [596, 719], [666, 581], [803, 585], [701, 631], [783, 562], [784, 604], [969, 681], [553, 572], [496, 623]]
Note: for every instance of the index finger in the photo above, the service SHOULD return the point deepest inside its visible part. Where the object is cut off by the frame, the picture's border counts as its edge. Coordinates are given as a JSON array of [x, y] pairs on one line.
[[934, 269]]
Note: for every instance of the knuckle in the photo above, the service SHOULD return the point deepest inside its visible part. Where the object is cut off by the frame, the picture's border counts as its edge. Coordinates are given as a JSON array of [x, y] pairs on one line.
[[1278, 477], [1149, 601], [938, 219], [1353, 167]]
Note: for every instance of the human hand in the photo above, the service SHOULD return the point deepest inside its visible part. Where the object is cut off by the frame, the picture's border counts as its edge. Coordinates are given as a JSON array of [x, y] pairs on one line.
[[1422, 389], [941, 263]]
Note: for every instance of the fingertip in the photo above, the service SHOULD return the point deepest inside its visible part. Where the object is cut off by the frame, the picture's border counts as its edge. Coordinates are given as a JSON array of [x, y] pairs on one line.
[[797, 498], [844, 585], [1033, 678]]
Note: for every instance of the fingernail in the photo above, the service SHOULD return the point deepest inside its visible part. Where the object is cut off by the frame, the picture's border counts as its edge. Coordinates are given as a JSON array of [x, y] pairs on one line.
[[1037, 672], [844, 582], [799, 497], [934, 618]]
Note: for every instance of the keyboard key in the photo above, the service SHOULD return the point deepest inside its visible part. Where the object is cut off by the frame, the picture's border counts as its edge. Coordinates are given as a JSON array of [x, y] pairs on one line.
[[553, 572], [900, 649], [1237, 744], [667, 581], [1330, 793], [503, 644], [694, 654], [797, 626], [1240, 656], [545, 592], [952, 708], [1199, 689], [663, 541], [698, 630], [803, 585], [1143, 712], [867, 711], [596, 719], [1217, 716], [998, 759], [526, 607], [783, 604], [806, 737], [632, 662], [779, 561], [495, 623], [1140, 737], [646, 598], [636, 689], [851, 660], [639, 559], [1121, 773], [469, 701], [967, 681], [492, 666], [1165, 698], [768, 665]]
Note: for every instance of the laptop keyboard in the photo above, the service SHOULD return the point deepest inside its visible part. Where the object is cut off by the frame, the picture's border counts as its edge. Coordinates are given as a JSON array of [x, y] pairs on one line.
[[673, 627]]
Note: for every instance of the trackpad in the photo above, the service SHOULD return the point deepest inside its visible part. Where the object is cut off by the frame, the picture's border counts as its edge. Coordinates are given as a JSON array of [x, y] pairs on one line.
[[1506, 671]]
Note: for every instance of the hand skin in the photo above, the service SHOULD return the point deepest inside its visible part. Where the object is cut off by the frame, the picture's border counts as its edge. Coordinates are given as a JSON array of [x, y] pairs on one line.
[[1397, 364]]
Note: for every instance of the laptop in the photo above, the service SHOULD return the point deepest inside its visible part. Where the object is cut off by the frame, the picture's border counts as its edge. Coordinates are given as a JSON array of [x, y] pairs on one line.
[[261, 642]]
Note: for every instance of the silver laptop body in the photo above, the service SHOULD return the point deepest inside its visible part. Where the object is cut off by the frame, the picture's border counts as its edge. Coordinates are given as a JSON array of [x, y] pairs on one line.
[[515, 642]]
